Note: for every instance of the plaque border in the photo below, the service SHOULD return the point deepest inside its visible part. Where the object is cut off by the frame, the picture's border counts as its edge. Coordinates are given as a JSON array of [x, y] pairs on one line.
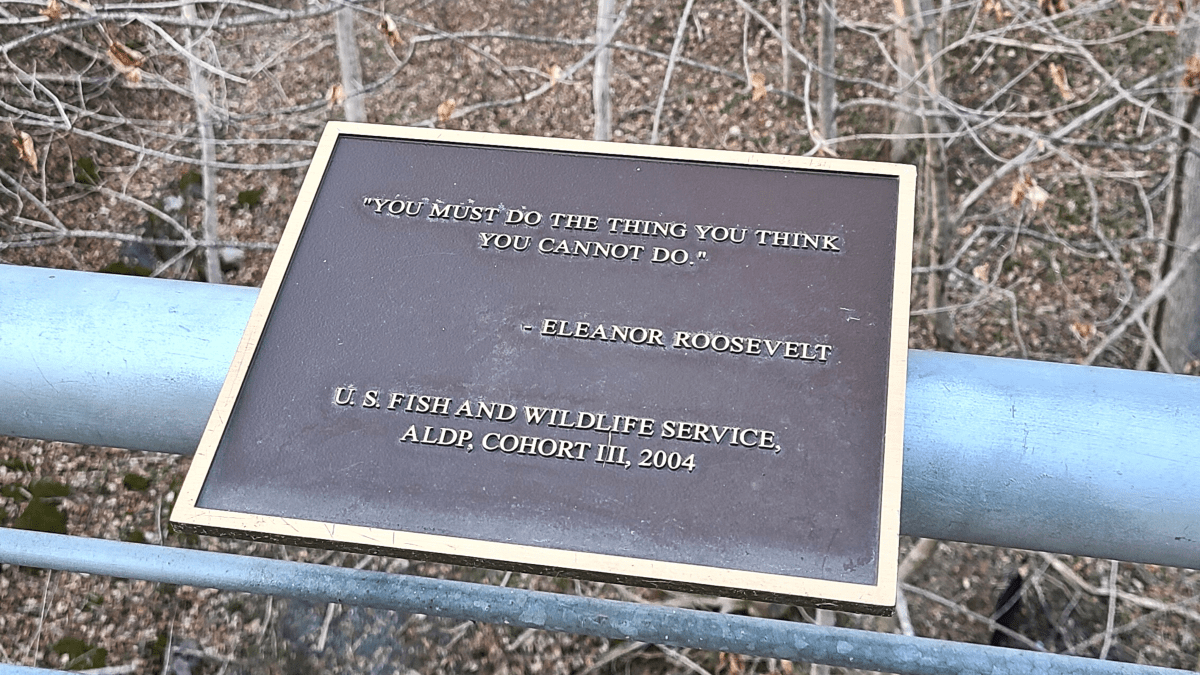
[[878, 598]]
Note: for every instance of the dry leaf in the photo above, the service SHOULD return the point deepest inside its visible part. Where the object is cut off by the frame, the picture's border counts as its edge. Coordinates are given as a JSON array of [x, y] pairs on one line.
[[388, 27], [1060, 80], [25, 150], [1052, 7], [1191, 72], [555, 75], [336, 95], [1026, 189], [1083, 331], [1036, 196], [446, 109], [1164, 15], [126, 61], [997, 9], [731, 663], [53, 11], [123, 56], [982, 272], [1018, 193], [758, 87]]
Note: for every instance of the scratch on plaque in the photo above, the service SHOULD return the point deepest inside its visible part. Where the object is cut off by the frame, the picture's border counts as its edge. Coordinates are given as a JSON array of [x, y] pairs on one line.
[[849, 318]]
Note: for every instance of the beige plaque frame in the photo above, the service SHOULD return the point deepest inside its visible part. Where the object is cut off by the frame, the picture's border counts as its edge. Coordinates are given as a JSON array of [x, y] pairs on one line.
[[877, 598]]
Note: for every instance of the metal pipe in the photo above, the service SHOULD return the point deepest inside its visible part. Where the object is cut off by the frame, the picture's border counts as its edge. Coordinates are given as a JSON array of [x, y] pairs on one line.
[[534, 609], [1069, 459]]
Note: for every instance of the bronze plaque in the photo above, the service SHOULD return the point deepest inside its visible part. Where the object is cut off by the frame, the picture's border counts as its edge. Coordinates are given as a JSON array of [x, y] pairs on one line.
[[660, 366]]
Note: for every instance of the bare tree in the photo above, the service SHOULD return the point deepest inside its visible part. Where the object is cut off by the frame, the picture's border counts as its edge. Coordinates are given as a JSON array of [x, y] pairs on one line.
[[1179, 318]]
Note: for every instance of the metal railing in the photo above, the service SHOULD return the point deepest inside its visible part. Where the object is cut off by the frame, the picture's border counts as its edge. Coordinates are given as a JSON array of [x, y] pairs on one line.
[[1067, 459]]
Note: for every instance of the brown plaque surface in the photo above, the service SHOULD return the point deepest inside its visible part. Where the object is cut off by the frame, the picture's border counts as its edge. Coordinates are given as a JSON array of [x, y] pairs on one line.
[[654, 365]]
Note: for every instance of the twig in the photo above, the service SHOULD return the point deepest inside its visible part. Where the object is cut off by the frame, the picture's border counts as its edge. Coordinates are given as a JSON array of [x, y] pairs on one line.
[[525, 636], [973, 615], [325, 627], [612, 655], [1154, 296], [126, 669], [1112, 609], [37, 635], [262, 633], [902, 616], [680, 658], [916, 557], [1147, 603], [158, 520], [192, 59], [169, 650], [680, 31]]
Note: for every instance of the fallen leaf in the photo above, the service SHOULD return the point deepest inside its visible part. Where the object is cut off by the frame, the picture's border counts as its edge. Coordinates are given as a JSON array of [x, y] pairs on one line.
[[1018, 193], [758, 87], [997, 9], [555, 75], [336, 95], [446, 109], [1026, 189], [25, 150], [126, 61], [53, 11], [1083, 331], [127, 57], [388, 27], [1164, 15], [1060, 80], [1191, 72], [982, 272], [1052, 7], [1036, 196]]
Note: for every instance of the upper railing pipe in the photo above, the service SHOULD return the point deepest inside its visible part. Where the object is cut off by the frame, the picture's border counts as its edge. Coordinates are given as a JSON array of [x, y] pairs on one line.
[[1070, 459]]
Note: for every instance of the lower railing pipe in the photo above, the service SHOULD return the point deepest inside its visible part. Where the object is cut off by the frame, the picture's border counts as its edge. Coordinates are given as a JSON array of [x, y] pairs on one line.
[[611, 619]]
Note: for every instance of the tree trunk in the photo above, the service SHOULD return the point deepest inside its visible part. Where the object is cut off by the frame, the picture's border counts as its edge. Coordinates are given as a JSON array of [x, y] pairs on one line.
[[904, 122], [606, 18], [208, 157], [348, 57], [1179, 319], [827, 60], [785, 43], [926, 41]]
